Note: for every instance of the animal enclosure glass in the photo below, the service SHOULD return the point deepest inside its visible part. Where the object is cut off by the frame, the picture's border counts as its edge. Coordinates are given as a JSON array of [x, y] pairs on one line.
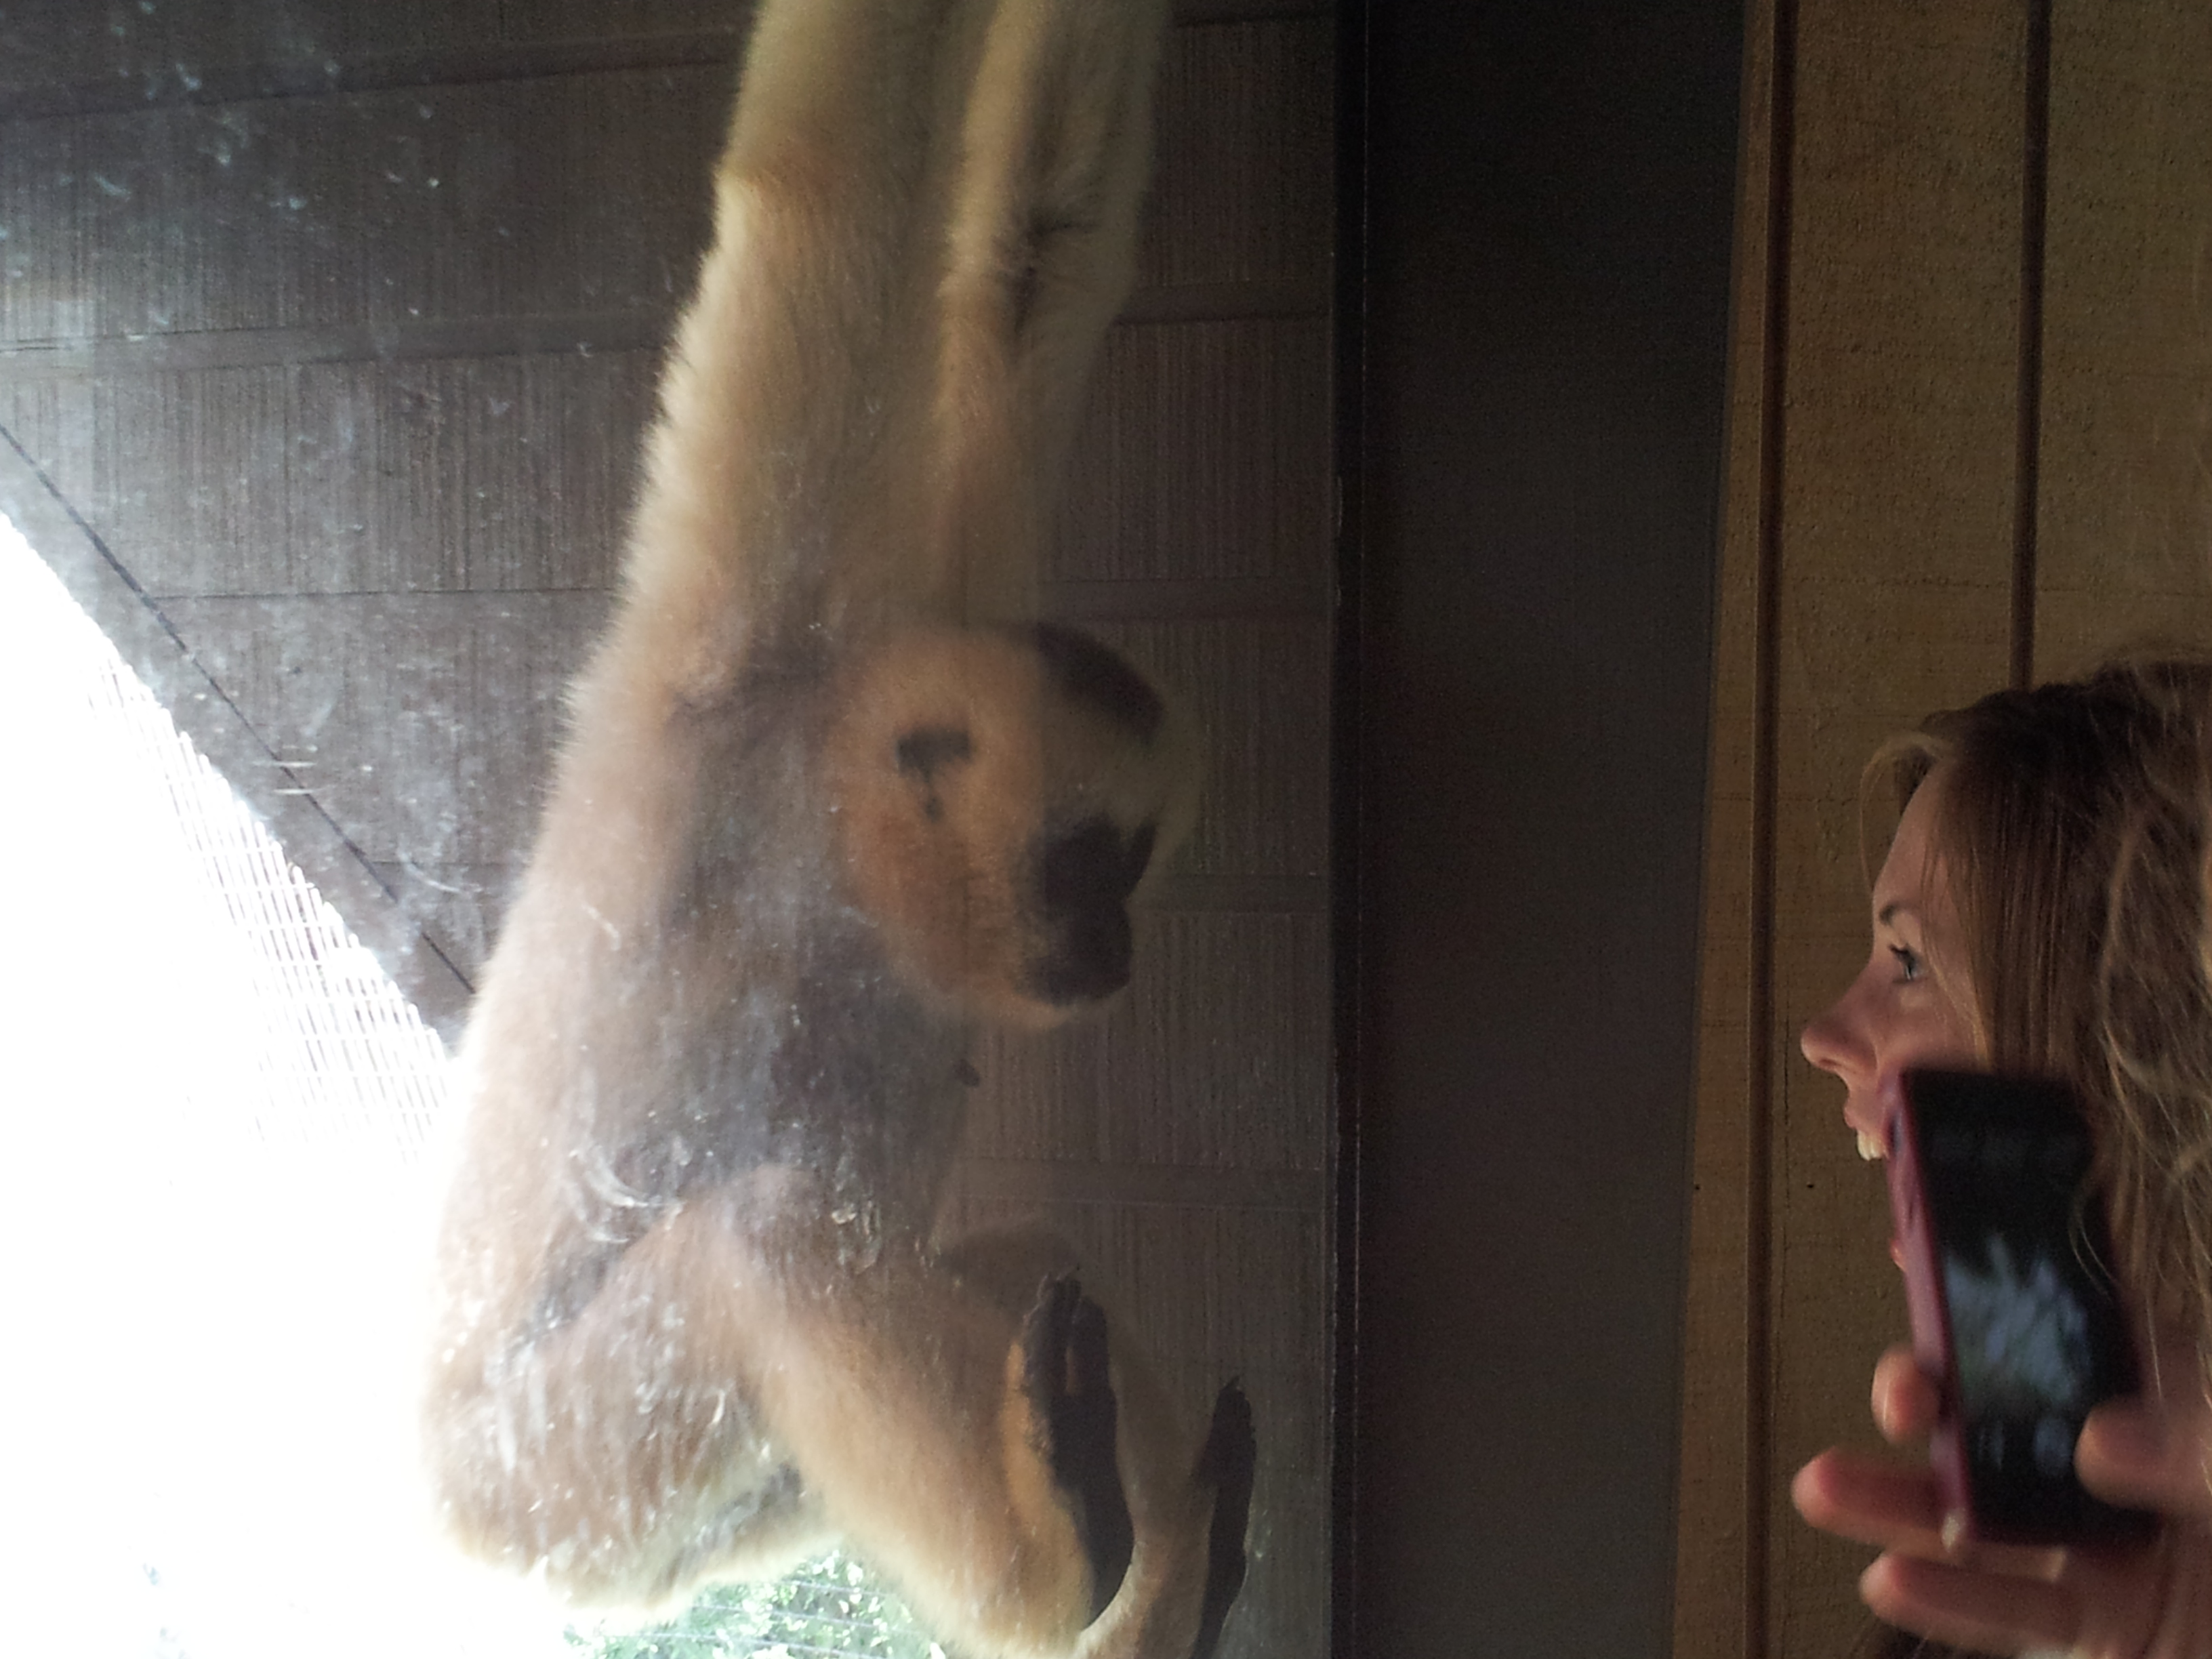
[[329, 336]]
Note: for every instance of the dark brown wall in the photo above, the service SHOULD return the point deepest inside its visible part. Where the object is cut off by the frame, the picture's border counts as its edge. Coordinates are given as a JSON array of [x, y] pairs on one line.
[[1549, 198]]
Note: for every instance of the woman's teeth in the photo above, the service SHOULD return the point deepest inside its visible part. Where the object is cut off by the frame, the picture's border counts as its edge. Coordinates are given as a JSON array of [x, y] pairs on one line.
[[1870, 1147]]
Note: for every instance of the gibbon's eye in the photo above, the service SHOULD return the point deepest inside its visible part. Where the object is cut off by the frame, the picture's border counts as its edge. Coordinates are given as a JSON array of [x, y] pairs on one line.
[[1909, 964]]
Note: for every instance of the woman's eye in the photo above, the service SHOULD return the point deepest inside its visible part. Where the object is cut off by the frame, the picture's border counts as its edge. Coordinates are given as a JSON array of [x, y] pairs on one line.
[[1908, 961]]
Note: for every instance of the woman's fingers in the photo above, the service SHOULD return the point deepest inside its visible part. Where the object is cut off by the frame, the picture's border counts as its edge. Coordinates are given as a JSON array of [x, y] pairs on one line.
[[2151, 1602], [2148, 1455], [1987, 1612], [1871, 1501], [2154, 1451], [1904, 1400]]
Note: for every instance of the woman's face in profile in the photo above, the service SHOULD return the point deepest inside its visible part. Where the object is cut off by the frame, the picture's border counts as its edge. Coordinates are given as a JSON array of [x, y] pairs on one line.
[[1910, 1005]]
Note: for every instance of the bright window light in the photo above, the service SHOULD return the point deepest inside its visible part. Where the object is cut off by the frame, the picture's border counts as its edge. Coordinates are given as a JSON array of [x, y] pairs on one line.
[[220, 1112], [223, 1121]]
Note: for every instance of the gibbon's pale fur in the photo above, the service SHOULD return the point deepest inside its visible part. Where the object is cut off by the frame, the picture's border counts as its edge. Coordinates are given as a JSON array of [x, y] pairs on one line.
[[830, 797]]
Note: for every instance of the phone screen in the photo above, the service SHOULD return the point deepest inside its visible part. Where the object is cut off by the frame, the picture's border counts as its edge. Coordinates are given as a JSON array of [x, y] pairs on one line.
[[2037, 1334]]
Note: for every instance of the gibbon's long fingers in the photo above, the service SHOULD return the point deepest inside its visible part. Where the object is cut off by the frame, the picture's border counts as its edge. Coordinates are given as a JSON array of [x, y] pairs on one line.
[[887, 1385], [1226, 1464], [1067, 1378], [1174, 1585], [1160, 1610], [1054, 149]]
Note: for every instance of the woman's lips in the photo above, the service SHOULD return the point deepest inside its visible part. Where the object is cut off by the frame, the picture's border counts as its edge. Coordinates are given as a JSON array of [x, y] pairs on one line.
[[1868, 1117]]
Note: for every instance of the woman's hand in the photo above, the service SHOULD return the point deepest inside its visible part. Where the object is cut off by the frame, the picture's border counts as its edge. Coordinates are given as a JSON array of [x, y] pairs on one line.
[[2150, 1602]]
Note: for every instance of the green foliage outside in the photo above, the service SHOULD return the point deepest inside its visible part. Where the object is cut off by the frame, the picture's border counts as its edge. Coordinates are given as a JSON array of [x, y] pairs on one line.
[[828, 1609]]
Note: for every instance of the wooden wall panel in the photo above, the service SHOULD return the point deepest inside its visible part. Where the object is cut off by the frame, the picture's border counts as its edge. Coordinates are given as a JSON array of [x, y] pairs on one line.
[[1866, 579], [52, 422], [189, 477], [390, 208], [1205, 457], [1914, 371], [1245, 146], [1259, 689], [184, 48], [1893, 597], [587, 20], [1719, 1549], [422, 203], [491, 473], [2124, 554], [381, 689], [535, 457], [161, 49], [1216, 1059]]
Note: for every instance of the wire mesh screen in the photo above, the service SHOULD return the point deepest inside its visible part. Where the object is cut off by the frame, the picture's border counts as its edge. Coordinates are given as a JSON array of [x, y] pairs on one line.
[[342, 1051]]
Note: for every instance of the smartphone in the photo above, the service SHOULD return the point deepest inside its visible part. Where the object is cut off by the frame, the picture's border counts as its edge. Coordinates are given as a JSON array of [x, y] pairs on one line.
[[2008, 1275]]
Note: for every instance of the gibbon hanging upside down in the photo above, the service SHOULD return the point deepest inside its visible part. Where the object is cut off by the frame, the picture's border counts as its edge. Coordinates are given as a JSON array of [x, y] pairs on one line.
[[833, 797]]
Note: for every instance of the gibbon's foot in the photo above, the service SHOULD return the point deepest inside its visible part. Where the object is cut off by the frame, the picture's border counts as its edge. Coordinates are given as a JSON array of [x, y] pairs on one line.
[[1065, 1374], [1226, 1463]]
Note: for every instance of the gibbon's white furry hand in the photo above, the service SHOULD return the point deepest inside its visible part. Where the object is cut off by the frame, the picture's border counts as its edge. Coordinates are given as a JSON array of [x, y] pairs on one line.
[[832, 796]]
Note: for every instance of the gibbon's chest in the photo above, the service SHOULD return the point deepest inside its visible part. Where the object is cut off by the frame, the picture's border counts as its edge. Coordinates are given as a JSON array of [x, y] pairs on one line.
[[780, 1033]]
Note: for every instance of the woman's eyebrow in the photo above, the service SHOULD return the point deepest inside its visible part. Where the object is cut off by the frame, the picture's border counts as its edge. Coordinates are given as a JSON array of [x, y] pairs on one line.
[[1892, 911]]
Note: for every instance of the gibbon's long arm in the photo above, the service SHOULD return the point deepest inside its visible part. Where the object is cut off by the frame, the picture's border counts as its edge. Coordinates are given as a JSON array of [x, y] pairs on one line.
[[925, 220], [829, 797]]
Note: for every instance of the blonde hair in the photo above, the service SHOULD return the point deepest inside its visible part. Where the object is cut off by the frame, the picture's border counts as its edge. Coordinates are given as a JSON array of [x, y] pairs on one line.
[[2072, 827]]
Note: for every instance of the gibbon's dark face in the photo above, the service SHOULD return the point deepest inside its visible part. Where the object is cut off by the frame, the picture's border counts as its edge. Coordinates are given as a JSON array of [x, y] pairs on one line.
[[1000, 795]]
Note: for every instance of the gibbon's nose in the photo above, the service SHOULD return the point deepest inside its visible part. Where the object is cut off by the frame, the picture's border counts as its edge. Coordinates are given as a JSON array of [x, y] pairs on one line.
[[1084, 878]]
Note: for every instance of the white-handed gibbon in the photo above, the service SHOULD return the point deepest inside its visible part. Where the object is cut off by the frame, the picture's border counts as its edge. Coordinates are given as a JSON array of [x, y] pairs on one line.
[[831, 797]]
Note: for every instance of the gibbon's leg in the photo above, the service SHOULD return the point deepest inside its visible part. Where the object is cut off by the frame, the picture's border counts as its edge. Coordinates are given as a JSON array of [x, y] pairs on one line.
[[909, 1404], [740, 1387], [616, 1450], [1188, 1508]]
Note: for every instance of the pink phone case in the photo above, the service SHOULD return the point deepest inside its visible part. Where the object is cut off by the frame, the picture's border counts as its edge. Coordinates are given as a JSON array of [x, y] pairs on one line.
[[1914, 1238], [2021, 1231]]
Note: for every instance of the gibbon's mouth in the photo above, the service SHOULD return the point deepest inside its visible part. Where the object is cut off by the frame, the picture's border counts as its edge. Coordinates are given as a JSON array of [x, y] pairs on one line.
[[1084, 880]]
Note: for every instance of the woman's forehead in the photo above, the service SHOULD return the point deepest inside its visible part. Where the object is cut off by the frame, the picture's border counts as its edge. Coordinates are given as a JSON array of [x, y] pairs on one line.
[[1910, 879]]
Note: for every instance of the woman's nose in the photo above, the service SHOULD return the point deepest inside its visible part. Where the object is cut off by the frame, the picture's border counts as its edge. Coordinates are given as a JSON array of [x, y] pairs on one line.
[[1833, 1042]]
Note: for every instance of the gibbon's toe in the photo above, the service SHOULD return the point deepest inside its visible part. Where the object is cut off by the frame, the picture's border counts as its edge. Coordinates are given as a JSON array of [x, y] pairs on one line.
[[1065, 1375], [1226, 1463]]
